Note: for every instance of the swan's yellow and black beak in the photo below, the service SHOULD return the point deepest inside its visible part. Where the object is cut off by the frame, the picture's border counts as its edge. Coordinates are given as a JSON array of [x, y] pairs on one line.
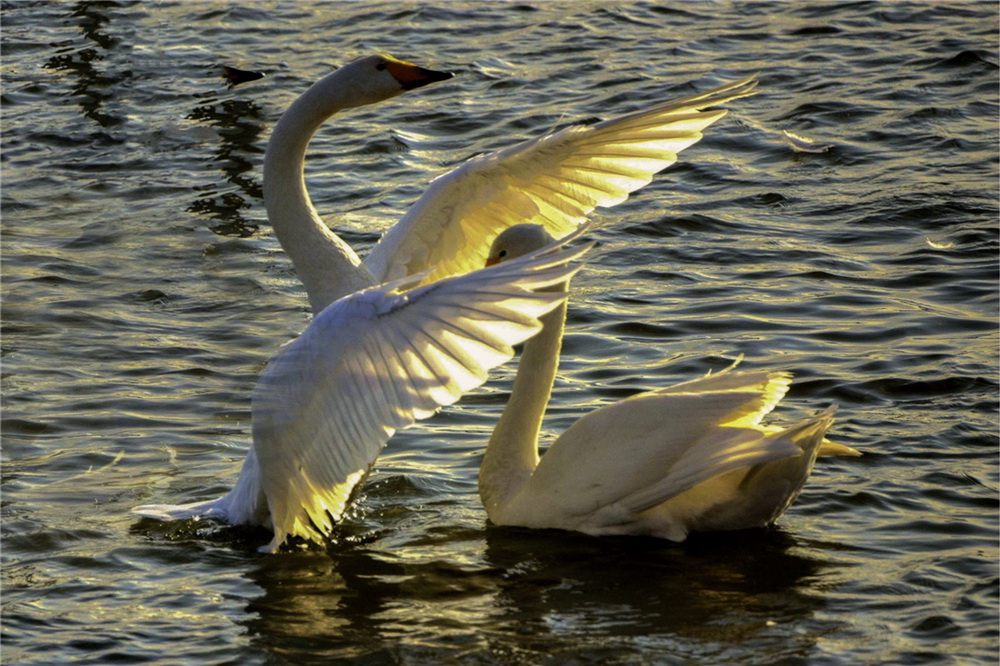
[[412, 76], [496, 259]]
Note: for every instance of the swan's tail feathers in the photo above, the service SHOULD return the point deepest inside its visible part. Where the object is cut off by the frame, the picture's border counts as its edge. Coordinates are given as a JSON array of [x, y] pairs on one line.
[[747, 497], [828, 448], [768, 489], [724, 450], [216, 508]]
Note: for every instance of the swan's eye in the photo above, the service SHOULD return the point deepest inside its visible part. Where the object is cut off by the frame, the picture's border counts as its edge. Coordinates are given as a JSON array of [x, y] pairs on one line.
[[502, 253], [380, 66]]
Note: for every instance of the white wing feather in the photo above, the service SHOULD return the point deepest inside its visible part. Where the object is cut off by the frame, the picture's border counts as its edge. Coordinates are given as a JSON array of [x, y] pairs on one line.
[[376, 361], [556, 180], [760, 391]]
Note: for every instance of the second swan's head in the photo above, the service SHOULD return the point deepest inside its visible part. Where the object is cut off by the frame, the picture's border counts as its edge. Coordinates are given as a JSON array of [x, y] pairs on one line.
[[516, 241], [371, 79]]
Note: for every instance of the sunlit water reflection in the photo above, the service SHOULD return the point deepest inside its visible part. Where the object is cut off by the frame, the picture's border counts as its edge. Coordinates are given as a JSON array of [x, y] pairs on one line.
[[143, 292]]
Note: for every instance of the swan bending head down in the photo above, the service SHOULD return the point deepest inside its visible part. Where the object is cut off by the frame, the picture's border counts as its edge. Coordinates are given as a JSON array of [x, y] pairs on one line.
[[690, 457]]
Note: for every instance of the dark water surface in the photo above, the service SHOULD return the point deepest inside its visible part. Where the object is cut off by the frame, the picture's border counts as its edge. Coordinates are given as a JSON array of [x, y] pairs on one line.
[[143, 292]]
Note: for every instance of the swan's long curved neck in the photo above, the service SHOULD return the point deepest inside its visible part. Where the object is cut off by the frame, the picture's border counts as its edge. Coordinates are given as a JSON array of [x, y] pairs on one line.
[[327, 266], [512, 453]]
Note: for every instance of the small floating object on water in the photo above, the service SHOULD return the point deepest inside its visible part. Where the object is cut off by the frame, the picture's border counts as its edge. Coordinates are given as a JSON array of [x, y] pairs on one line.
[[939, 246], [237, 76], [801, 144]]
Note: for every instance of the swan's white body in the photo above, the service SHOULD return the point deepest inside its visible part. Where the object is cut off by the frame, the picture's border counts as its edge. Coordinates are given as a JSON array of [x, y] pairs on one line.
[[374, 359], [690, 457]]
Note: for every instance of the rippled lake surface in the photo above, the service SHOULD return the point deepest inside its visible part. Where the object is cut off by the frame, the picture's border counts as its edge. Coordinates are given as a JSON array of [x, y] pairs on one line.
[[143, 292]]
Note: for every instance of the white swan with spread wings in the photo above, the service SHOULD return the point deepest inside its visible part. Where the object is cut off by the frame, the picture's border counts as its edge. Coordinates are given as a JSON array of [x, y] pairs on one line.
[[555, 180], [367, 365]]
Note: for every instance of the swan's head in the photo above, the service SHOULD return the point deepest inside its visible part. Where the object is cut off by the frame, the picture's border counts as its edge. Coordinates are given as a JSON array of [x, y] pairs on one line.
[[516, 241], [375, 78]]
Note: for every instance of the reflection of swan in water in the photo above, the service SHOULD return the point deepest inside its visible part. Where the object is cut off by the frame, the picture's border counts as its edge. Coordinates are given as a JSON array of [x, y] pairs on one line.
[[556, 180], [544, 596], [367, 365], [564, 594], [690, 457]]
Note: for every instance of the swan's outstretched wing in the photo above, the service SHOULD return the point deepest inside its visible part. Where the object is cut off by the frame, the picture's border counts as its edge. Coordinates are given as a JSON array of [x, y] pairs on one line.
[[635, 453], [556, 180], [376, 361]]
